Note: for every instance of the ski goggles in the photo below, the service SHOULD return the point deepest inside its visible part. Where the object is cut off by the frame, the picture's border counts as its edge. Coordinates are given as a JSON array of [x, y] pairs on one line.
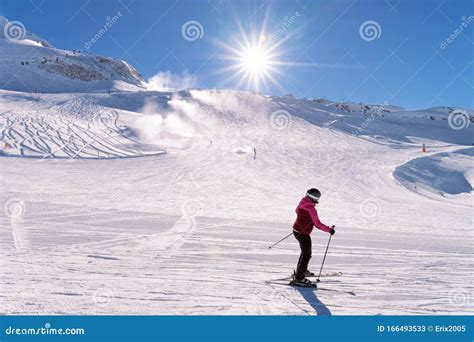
[[313, 198]]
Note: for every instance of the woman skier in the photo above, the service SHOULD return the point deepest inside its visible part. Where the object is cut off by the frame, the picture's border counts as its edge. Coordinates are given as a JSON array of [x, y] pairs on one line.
[[307, 217]]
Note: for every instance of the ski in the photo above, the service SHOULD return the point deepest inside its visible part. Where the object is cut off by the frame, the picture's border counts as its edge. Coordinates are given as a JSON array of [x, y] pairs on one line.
[[310, 287], [295, 283], [292, 284], [333, 274]]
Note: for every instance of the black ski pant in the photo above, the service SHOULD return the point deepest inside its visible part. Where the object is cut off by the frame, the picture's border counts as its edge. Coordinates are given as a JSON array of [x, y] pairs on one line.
[[305, 256]]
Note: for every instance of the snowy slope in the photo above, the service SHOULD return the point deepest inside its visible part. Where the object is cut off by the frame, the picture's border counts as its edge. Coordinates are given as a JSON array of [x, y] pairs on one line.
[[446, 173], [67, 126], [33, 65], [144, 235], [87, 229]]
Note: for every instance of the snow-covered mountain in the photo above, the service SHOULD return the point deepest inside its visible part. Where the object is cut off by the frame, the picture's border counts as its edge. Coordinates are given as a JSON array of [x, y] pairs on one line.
[[50, 111], [214, 181], [16, 32], [32, 65]]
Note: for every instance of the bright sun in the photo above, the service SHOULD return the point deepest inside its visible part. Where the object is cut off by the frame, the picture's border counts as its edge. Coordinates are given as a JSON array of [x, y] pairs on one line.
[[254, 61]]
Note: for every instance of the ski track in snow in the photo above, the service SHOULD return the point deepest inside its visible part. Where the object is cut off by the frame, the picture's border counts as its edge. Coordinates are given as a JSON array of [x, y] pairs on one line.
[[187, 232], [83, 131], [221, 268]]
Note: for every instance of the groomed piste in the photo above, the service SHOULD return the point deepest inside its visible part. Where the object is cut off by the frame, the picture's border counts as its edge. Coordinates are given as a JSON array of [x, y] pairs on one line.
[[121, 200]]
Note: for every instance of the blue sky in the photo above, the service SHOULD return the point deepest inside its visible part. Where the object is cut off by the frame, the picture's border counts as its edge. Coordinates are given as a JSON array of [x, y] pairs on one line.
[[321, 48]]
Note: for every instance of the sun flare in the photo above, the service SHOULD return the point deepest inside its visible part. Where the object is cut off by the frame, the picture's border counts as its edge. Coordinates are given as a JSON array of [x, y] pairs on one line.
[[254, 61]]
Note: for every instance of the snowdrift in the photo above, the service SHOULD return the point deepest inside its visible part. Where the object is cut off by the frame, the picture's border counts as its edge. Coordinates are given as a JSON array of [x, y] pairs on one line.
[[444, 173]]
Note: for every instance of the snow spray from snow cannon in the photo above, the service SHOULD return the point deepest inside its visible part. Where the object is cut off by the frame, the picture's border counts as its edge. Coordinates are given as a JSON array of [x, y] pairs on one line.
[[172, 127]]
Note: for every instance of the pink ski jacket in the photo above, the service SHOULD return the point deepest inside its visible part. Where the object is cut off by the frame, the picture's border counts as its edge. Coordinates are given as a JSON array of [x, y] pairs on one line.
[[307, 217]]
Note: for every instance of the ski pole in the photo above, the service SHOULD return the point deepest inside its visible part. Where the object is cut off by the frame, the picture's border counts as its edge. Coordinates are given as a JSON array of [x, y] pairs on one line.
[[286, 237], [330, 236]]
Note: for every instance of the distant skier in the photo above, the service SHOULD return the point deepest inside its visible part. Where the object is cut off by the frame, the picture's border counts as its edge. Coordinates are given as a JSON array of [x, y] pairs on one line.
[[254, 153], [307, 217]]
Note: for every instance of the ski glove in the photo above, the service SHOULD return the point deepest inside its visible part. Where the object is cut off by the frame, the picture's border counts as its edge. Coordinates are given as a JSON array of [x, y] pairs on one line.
[[332, 231]]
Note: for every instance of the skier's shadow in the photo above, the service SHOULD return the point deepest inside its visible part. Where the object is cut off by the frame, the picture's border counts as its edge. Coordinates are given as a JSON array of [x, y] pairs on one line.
[[310, 296]]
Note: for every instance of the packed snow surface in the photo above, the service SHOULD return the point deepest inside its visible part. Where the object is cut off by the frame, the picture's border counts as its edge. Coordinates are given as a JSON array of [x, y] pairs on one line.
[[186, 230], [124, 201]]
